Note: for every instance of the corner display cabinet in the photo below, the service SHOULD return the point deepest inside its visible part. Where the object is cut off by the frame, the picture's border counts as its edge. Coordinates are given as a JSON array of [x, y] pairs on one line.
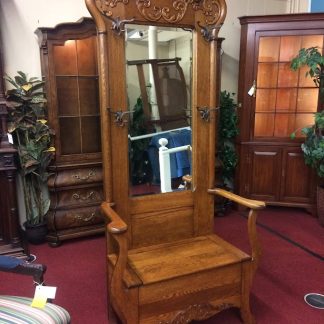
[[69, 68], [164, 262], [281, 101]]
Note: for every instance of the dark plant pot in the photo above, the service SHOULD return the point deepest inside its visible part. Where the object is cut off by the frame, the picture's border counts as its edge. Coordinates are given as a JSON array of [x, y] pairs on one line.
[[320, 205], [36, 234]]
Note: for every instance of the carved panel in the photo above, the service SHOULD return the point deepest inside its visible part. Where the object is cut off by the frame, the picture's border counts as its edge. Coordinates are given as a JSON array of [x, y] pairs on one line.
[[197, 312], [7, 161], [155, 10], [74, 218], [78, 197], [76, 177]]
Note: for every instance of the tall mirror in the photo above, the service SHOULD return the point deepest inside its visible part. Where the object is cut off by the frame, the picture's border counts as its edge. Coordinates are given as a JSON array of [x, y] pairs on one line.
[[159, 76]]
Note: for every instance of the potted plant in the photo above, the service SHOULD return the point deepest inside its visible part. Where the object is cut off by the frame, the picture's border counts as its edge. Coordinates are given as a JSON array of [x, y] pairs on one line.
[[226, 158], [313, 145], [32, 138]]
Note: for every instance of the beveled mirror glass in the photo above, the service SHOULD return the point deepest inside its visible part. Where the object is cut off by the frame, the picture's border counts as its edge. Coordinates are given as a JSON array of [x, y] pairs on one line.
[[159, 76]]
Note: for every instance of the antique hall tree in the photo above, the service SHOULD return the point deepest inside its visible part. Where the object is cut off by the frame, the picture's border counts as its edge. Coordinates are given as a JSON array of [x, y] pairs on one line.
[[165, 264]]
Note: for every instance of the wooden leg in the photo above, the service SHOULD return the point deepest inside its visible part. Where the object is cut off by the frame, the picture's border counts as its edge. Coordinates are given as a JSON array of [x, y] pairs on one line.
[[245, 309], [112, 316], [246, 314]]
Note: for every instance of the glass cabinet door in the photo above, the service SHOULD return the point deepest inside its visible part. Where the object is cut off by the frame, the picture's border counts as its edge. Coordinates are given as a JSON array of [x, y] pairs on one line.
[[286, 100], [76, 75]]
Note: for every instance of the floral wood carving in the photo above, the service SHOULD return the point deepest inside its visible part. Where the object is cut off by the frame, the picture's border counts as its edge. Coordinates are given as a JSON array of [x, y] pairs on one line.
[[154, 13], [213, 10], [105, 6], [197, 312]]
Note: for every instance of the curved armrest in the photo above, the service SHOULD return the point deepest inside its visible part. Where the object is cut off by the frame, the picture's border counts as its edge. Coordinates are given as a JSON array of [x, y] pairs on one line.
[[118, 228], [255, 206], [116, 225]]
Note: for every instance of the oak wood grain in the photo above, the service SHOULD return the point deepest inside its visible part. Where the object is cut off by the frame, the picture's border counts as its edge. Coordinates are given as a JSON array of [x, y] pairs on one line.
[[165, 265]]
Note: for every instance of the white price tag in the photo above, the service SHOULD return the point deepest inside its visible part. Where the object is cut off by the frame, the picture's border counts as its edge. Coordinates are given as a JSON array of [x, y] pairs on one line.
[[47, 291], [10, 138], [251, 91]]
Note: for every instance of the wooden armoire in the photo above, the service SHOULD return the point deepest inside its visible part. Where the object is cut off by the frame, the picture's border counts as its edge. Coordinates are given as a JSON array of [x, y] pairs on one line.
[[69, 69], [276, 101]]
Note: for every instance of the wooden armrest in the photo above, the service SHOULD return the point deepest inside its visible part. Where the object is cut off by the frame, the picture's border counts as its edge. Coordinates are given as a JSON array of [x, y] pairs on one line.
[[116, 225], [253, 204]]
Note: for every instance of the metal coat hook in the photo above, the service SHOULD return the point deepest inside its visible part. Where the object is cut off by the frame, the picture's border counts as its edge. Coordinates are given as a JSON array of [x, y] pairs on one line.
[[119, 116], [205, 112], [118, 25]]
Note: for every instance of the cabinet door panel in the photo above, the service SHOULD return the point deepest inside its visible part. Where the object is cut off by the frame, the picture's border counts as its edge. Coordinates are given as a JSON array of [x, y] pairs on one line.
[[298, 179], [265, 173]]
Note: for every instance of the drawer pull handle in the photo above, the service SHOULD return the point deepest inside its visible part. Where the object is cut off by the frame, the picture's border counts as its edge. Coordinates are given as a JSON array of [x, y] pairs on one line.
[[89, 196], [86, 219], [85, 178]]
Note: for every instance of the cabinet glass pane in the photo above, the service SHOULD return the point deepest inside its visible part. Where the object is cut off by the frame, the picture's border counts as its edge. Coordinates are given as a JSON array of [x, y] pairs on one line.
[[289, 48], [312, 41], [65, 60], [269, 49], [284, 125], [265, 100], [267, 75], [90, 134], [67, 96], [264, 124], [89, 96], [86, 49], [287, 77], [305, 81], [70, 135], [307, 100], [286, 100], [303, 120]]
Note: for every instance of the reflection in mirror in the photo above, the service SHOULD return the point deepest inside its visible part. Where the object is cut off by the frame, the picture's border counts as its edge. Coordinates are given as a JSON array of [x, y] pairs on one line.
[[159, 69]]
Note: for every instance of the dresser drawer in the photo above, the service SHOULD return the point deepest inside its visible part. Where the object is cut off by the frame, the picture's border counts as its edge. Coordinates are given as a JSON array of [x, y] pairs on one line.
[[78, 217], [78, 176], [77, 197]]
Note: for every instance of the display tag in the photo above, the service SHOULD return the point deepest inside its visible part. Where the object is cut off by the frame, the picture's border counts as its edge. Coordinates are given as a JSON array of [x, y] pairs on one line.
[[41, 295], [10, 138], [251, 91]]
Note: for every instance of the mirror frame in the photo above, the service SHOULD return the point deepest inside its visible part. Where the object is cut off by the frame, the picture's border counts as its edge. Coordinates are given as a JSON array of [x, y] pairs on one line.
[[205, 18]]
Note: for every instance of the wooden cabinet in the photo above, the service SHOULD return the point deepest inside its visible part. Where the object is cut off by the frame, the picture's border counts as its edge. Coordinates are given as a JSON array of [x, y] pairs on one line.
[[275, 101], [276, 174], [11, 242], [69, 68]]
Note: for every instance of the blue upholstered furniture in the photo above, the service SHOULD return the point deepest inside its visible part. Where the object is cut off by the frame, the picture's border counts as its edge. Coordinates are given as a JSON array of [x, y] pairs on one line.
[[17, 309], [179, 162]]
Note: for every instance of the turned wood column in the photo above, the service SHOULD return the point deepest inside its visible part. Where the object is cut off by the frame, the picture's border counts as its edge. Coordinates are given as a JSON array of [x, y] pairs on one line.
[[10, 242]]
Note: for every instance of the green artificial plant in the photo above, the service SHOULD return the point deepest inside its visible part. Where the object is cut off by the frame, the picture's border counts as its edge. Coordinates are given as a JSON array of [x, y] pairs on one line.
[[227, 131], [313, 145], [140, 168], [32, 138]]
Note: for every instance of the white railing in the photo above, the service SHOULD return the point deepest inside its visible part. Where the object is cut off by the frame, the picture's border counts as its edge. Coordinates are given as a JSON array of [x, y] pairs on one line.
[[165, 165], [135, 138]]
